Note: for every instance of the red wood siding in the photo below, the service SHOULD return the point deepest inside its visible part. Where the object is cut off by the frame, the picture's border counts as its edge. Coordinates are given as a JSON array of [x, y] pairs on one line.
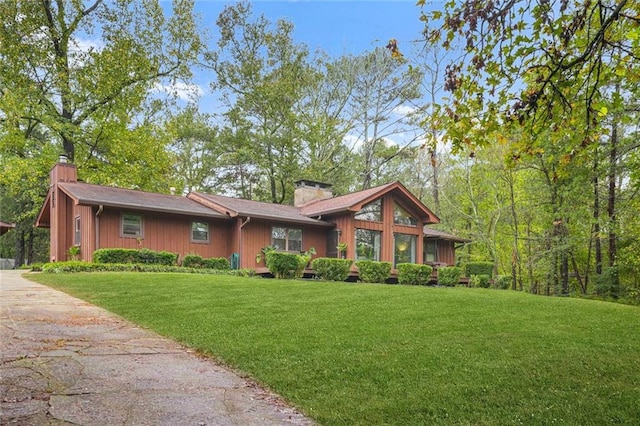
[[446, 252], [166, 232], [256, 234], [62, 215], [87, 231]]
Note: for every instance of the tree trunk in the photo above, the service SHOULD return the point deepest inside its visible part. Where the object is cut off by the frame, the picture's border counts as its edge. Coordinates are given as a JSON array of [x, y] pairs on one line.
[[611, 205], [19, 260], [596, 216]]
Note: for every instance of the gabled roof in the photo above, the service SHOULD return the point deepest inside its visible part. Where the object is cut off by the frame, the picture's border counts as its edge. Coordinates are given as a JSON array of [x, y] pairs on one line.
[[234, 207], [434, 233], [4, 227], [355, 201], [94, 195]]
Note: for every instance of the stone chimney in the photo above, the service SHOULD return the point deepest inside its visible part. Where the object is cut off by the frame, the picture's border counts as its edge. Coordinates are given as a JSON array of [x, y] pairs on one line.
[[63, 172], [308, 190]]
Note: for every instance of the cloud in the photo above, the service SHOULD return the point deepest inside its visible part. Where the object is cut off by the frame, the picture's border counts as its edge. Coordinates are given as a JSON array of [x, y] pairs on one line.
[[404, 110], [184, 91]]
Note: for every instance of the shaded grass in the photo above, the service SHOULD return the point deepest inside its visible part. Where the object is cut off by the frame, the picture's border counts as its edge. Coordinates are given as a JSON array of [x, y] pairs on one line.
[[378, 354]]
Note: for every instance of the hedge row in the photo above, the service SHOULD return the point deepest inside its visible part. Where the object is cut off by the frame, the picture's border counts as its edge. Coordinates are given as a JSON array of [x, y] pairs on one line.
[[331, 269], [479, 268], [142, 256], [197, 261], [79, 266], [449, 275], [371, 271], [414, 274], [286, 265]]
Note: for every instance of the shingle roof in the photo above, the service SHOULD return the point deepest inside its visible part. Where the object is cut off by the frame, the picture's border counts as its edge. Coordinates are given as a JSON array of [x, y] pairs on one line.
[[341, 203], [434, 233], [355, 200], [89, 194], [257, 209]]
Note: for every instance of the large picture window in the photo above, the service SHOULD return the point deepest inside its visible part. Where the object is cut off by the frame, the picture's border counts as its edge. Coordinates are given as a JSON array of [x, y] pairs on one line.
[[402, 217], [286, 239], [199, 232], [368, 244], [131, 225], [405, 248], [371, 212]]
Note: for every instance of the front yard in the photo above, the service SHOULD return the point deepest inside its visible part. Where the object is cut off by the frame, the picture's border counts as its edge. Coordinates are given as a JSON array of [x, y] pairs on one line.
[[381, 354]]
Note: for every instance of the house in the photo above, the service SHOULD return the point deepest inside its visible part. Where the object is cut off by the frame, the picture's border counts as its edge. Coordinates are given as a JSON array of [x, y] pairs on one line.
[[5, 227], [383, 223]]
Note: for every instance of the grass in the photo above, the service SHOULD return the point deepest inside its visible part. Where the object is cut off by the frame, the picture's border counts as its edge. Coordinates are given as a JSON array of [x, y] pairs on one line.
[[349, 354]]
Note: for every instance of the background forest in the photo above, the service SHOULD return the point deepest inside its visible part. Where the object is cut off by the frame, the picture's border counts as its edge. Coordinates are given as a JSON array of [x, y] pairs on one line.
[[516, 122]]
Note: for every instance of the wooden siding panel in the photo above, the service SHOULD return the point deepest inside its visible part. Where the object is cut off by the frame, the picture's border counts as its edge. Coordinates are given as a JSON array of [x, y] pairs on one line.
[[446, 252], [87, 231], [166, 232], [345, 225]]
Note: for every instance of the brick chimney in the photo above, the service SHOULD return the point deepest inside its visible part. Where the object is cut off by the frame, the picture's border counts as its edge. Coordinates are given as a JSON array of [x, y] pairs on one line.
[[308, 190], [63, 171]]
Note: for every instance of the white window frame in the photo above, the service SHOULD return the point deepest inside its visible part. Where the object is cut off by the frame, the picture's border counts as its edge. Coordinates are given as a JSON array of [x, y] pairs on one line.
[[77, 231]]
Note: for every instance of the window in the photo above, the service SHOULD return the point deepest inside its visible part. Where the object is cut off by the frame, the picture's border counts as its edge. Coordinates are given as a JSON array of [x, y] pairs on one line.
[[131, 225], [430, 251], [286, 239], [371, 212], [199, 232], [402, 217], [368, 244], [405, 248], [76, 234]]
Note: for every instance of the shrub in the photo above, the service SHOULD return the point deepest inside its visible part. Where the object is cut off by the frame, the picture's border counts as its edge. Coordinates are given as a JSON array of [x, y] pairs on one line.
[[371, 271], [77, 266], [286, 265], [197, 261], [502, 282], [479, 281], [608, 283], [479, 268], [414, 274], [449, 275], [332, 269], [144, 256], [220, 263]]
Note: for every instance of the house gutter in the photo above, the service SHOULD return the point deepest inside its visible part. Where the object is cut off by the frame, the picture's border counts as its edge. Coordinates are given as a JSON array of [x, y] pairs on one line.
[[97, 222]]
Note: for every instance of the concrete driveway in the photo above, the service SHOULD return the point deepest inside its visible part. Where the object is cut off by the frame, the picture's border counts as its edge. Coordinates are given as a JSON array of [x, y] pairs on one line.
[[65, 361]]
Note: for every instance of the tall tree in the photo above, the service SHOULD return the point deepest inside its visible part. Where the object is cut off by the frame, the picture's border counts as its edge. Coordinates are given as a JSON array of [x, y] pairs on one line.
[[261, 73]]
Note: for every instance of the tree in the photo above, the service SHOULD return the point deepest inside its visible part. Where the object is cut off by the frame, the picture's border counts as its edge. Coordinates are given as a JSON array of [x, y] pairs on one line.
[[82, 79], [261, 75], [526, 60]]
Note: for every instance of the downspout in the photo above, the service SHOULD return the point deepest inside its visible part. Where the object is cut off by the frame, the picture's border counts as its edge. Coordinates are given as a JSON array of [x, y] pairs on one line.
[[242, 224], [97, 223]]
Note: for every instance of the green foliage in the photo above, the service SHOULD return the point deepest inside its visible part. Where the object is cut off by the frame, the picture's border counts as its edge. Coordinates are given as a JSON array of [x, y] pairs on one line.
[[197, 261], [502, 282], [144, 256], [608, 283], [479, 268], [370, 271], [449, 275], [481, 281], [414, 274], [286, 265], [332, 269], [79, 266]]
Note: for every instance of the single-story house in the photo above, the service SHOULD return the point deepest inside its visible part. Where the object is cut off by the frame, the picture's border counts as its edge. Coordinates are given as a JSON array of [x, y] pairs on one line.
[[383, 223]]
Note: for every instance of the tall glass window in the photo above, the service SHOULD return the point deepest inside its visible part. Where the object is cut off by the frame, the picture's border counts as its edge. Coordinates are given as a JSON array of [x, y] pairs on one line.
[[402, 217], [368, 244], [371, 211], [77, 233], [286, 239], [405, 248]]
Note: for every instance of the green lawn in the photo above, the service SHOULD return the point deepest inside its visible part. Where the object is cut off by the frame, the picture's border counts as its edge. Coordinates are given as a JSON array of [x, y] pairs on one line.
[[382, 354]]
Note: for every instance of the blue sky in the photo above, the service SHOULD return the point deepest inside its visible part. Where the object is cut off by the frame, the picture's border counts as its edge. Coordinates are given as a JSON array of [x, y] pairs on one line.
[[336, 27]]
